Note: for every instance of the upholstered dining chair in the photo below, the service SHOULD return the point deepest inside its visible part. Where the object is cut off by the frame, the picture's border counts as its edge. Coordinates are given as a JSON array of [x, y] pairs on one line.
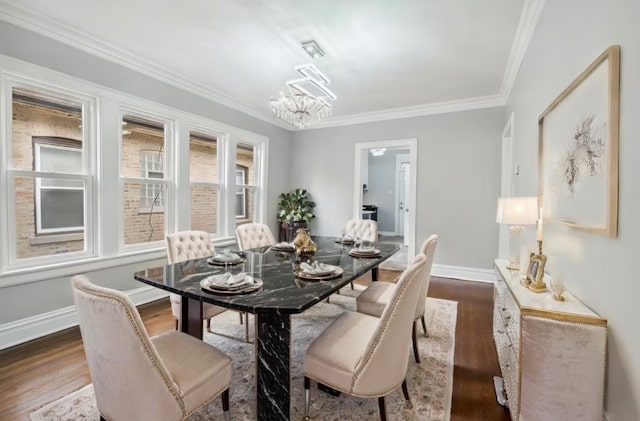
[[373, 300], [367, 356], [254, 235], [187, 245], [363, 230], [136, 377]]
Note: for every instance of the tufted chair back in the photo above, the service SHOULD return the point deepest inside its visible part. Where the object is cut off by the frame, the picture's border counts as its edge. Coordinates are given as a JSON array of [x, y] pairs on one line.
[[428, 249], [365, 229], [384, 365], [187, 245], [254, 235], [136, 377]]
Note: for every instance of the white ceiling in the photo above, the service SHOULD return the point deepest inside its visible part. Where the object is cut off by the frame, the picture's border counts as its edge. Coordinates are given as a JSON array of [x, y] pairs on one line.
[[384, 58]]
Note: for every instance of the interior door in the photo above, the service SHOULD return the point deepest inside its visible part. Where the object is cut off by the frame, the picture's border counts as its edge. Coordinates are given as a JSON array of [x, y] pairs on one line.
[[405, 192], [403, 206]]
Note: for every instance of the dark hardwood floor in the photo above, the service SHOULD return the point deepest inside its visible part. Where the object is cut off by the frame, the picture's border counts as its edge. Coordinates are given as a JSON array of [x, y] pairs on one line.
[[46, 369]]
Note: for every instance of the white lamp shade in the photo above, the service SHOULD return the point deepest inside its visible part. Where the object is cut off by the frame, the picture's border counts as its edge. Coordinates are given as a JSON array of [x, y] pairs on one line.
[[517, 210]]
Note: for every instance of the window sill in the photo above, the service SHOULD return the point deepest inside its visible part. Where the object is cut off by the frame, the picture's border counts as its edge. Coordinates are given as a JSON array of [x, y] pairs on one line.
[[21, 276], [56, 238]]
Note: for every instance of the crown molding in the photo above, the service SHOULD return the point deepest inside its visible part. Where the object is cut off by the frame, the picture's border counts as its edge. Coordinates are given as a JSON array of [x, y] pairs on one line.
[[19, 15], [477, 103], [531, 11], [22, 17]]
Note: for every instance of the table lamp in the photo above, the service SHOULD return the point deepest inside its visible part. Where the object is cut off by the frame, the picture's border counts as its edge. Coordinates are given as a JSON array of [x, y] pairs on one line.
[[516, 212]]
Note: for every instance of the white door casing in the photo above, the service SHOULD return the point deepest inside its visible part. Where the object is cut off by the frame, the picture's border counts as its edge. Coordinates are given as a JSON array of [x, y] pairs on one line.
[[506, 184], [412, 145]]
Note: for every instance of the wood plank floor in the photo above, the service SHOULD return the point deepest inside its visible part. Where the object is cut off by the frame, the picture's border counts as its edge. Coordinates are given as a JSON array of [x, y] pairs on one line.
[[46, 369]]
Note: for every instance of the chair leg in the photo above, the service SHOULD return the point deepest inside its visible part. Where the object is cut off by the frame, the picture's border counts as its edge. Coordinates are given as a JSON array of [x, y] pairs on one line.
[[240, 314], [383, 410], [414, 339], [351, 285], [177, 325], [246, 327], [405, 391], [307, 396], [424, 327], [225, 405], [208, 325]]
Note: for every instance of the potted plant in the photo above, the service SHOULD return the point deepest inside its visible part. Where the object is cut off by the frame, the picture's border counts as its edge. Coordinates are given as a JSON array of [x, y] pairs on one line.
[[295, 210]]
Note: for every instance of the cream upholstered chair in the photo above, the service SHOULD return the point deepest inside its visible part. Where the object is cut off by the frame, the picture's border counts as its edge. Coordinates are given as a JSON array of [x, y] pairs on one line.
[[140, 378], [254, 235], [364, 229], [187, 245], [373, 300], [367, 356]]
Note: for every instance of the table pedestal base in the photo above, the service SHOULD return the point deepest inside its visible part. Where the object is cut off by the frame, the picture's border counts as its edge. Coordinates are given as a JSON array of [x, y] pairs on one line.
[[273, 366]]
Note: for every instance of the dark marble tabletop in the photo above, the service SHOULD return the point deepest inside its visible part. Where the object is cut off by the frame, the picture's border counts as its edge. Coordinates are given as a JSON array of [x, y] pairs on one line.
[[281, 292]]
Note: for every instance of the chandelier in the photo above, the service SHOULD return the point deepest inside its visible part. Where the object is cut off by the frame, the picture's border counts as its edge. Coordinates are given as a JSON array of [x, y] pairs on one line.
[[307, 100], [299, 109]]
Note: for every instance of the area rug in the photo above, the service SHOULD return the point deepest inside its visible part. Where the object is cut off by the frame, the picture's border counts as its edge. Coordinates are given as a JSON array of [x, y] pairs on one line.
[[430, 382]]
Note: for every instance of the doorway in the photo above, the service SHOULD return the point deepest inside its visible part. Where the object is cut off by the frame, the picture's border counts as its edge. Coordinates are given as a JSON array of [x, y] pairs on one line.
[[506, 184], [402, 205], [365, 184]]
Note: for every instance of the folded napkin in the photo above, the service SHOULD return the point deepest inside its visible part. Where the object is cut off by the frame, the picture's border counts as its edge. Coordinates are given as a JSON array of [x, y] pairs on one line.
[[283, 245], [316, 268], [229, 280]]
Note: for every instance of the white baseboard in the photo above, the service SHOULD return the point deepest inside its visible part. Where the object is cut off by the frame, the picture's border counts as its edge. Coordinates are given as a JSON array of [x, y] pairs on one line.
[[33, 327], [464, 273]]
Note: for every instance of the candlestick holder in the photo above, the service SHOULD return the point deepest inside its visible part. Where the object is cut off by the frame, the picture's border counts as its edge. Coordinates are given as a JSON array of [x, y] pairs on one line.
[[535, 273]]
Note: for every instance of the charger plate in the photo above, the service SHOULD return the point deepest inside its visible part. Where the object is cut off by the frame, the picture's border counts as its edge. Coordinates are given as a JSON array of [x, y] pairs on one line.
[[359, 253], [218, 261], [206, 286], [315, 277]]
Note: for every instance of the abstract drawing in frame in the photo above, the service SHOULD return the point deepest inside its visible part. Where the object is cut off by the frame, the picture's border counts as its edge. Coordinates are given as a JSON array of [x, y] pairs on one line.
[[578, 150]]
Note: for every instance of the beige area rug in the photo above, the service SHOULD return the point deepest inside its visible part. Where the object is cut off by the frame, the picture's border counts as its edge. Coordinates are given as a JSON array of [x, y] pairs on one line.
[[430, 383]]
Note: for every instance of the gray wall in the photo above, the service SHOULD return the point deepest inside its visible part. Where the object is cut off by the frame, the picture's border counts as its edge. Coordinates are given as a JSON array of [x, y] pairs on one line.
[[382, 188], [599, 270], [52, 294], [458, 178]]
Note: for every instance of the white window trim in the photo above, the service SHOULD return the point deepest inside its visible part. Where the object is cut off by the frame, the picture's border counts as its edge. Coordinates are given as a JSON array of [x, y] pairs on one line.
[[104, 106], [155, 113], [8, 236]]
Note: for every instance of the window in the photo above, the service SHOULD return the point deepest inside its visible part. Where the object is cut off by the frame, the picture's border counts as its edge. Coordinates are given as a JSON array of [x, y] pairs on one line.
[[203, 178], [241, 192], [152, 165], [144, 178], [49, 176], [170, 170], [245, 182], [59, 203]]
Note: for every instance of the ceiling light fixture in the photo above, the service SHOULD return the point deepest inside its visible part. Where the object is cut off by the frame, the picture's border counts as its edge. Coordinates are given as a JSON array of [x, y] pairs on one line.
[[378, 151], [308, 98], [313, 49]]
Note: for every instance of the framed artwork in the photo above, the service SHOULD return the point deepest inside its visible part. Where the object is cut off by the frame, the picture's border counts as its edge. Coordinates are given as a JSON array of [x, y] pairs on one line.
[[578, 150]]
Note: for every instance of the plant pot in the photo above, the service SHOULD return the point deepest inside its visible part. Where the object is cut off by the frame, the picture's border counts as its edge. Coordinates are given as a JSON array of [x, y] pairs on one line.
[[288, 230]]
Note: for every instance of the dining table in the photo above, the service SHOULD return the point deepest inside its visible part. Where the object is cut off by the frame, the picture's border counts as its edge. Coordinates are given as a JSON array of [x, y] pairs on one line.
[[284, 291]]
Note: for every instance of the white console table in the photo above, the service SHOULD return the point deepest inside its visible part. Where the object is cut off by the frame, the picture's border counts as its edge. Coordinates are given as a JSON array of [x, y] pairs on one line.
[[551, 353]]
